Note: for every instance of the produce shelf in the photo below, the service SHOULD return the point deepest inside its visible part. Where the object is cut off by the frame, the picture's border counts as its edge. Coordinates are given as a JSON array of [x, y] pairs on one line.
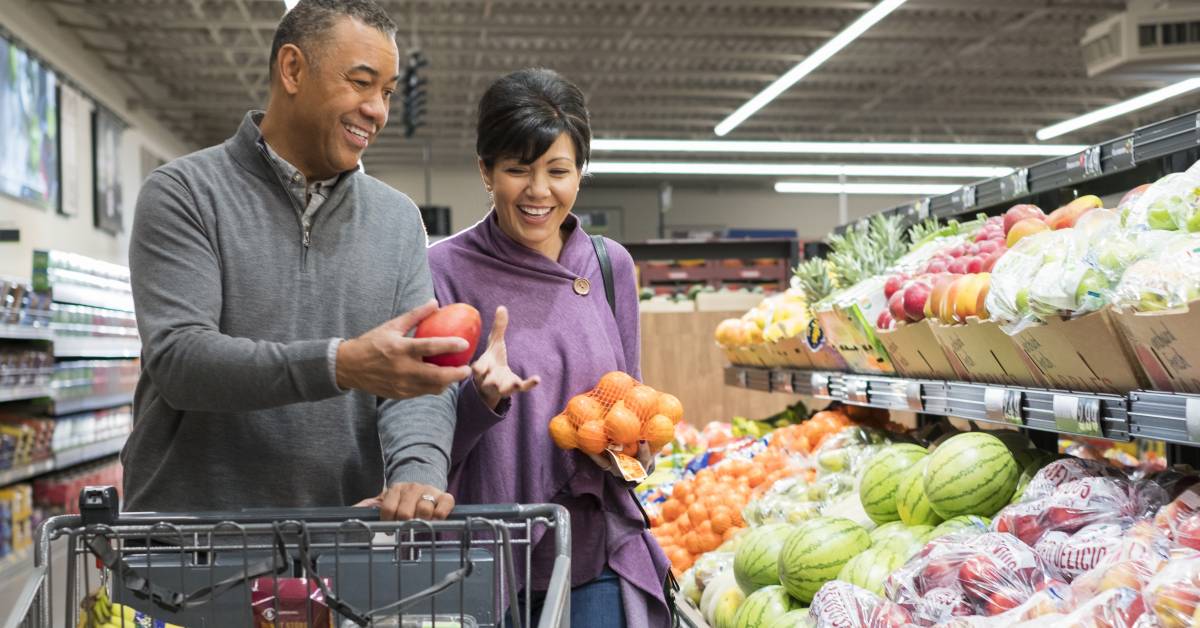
[[24, 332], [1095, 415], [22, 393], [96, 346], [86, 404], [64, 459]]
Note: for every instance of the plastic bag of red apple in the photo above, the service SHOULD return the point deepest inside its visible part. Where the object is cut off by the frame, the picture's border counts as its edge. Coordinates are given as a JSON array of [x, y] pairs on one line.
[[1180, 519], [1172, 595], [1134, 558], [840, 604], [1078, 504], [1059, 472], [961, 575]]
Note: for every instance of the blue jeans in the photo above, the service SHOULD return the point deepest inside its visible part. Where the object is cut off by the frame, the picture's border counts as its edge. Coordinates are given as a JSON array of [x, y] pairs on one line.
[[595, 604]]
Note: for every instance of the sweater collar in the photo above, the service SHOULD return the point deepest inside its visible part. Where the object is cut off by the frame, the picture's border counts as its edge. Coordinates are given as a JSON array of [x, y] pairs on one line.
[[247, 148], [572, 261]]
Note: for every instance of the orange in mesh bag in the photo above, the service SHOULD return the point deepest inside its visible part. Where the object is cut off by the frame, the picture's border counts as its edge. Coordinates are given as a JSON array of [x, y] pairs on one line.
[[614, 416]]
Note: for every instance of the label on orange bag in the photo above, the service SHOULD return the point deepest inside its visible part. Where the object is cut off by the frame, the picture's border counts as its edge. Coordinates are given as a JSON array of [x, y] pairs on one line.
[[631, 469]]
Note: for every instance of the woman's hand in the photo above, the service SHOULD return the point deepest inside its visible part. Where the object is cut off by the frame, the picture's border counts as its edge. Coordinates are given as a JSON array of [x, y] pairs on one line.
[[644, 456], [493, 379]]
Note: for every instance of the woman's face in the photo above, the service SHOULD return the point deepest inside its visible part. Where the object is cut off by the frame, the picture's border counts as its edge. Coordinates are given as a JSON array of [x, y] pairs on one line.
[[533, 200]]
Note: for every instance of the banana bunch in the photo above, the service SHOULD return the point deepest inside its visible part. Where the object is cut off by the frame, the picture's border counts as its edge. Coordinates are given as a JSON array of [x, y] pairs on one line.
[[99, 612]]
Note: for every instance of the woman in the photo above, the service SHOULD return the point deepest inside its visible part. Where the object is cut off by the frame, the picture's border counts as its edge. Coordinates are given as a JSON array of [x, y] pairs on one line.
[[531, 255]]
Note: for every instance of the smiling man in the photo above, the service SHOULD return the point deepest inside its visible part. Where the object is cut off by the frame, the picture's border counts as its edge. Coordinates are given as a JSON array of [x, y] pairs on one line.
[[275, 284]]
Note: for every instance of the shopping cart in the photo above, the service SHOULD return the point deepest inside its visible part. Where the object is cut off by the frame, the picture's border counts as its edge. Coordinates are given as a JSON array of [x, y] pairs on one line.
[[319, 568]]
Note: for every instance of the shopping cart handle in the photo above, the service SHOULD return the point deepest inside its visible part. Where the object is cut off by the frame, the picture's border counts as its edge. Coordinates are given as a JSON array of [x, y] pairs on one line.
[[307, 515]]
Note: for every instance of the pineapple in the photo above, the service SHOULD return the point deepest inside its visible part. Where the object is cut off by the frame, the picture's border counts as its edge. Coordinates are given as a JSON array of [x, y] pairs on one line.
[[816, 279], [887, 239]]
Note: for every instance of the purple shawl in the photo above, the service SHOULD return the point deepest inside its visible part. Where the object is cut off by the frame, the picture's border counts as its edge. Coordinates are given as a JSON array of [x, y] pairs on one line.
[[570, 341]]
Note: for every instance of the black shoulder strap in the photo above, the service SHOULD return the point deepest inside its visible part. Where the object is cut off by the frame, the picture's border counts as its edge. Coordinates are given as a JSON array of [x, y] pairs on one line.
[[605, 271]]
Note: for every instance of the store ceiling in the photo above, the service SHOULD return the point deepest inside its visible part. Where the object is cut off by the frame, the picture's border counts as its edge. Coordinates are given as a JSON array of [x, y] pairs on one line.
[[935, 70]]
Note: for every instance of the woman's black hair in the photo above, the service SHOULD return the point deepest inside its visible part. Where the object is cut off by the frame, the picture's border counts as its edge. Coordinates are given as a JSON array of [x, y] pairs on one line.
[[523, 113]]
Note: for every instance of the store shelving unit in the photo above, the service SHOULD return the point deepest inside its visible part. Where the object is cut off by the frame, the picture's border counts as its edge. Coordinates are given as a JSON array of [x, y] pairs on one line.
[[1109, 167], [64, 460], [715, 263]]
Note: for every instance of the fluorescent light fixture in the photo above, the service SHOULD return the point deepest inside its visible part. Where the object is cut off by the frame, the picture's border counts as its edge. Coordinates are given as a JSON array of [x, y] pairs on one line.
[[1119, 109], [898, 189], [835, 148], [821, 170], [810, 63], [288, 4]]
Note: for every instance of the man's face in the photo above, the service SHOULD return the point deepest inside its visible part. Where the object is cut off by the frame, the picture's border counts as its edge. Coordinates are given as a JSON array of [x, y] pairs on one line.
[[345, 103]]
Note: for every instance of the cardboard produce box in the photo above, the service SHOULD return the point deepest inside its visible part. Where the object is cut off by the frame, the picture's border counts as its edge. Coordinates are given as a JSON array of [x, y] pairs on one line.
[[849, 327], [1086, 354], [794, 353], [916, 352], [1166, 346], [985, 354]]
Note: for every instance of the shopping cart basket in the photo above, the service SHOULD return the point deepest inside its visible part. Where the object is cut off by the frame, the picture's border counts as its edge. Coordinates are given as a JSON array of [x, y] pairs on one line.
[[335, 568]]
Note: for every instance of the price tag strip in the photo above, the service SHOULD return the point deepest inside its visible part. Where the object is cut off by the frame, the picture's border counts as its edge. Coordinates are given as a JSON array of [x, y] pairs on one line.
[[743, 378], [819, 382], [912, 396], [856, 390], [1077, 415], [782, 381], [1003, 405], [1192, 414]]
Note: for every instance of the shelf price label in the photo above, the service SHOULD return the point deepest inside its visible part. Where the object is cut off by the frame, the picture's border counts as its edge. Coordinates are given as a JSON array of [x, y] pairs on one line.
[[819, 383], [967, 196], [1003, 405], [782, 381], [912, 395], [1077, 415], [1091, 162], [743, 378], [1192, 414], [856, 390]]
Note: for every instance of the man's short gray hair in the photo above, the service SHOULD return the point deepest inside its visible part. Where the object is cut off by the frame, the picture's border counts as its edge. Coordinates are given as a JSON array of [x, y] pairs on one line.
[[309, 23]]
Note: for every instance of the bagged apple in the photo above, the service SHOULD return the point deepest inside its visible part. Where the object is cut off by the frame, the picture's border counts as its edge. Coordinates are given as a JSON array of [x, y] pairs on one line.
[[1059, 472], [1168, 278], [1121, 607], [842, 605], [1173, 594], [1168, 204], [1075, 554], [1134, 558]]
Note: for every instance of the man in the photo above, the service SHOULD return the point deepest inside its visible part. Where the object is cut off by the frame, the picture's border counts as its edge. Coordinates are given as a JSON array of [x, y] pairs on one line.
[[252, 261]]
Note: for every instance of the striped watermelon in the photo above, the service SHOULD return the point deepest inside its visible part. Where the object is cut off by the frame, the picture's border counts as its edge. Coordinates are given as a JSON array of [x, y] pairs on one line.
[[871, 568], [970, 474], [881, 480], [792, 619], [904, 541], [756, 562], [911, 503], [966, 523], [763, 607], [815, 553]]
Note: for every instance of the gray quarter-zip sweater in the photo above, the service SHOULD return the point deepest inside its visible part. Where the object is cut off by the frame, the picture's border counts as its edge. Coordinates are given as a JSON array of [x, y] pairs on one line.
[[240, 315]]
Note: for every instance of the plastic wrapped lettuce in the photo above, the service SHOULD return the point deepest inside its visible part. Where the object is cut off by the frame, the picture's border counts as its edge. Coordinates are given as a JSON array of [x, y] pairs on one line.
[[1167, 278], [1171, 204]]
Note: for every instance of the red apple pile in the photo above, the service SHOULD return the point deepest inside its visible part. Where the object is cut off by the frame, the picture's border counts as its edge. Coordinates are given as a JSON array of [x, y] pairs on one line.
[[961, 575], [840, 604]]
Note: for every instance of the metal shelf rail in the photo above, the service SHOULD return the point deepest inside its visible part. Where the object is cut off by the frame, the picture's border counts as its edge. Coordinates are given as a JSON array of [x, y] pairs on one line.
[[1163, 416]]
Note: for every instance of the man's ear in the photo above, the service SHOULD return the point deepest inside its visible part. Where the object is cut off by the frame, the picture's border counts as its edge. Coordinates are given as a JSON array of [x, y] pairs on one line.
[[292, 67]]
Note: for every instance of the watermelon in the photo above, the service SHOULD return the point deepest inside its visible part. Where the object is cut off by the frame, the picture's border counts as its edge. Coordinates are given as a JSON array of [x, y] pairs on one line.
[[881, 480], [871, 568], [904, 541], [1015, 441], [970, 474], [756, 563], [965, 523], [792, 619], [763, 607], [911, 504], [886, 531], [727, 606], [816, 551], [1031, 461]]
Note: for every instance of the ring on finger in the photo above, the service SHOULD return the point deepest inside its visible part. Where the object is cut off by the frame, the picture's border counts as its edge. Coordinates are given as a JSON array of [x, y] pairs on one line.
[[429, 498]]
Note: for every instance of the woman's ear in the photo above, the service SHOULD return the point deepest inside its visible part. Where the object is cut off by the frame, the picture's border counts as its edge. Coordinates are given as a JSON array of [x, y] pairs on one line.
[[486, 175]]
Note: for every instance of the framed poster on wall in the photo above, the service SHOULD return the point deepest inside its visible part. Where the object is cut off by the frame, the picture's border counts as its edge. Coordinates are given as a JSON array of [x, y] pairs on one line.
[[74, 116], [106, 169], [29, 130]]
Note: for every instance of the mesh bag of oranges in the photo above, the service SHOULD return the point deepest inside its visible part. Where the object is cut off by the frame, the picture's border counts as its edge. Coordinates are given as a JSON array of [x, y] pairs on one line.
[[613, 417]]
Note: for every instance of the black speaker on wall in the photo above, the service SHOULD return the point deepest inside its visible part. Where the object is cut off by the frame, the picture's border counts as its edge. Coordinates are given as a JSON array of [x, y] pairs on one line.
[[437, 220]]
